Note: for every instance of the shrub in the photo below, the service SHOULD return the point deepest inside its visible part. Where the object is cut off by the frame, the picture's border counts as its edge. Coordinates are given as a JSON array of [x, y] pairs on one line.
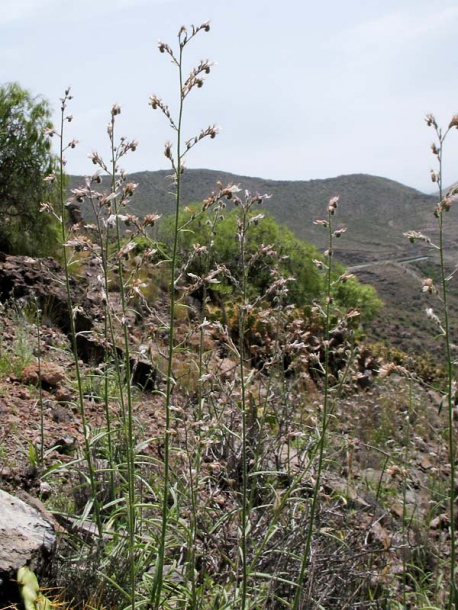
[[25, 160], [295, 259]]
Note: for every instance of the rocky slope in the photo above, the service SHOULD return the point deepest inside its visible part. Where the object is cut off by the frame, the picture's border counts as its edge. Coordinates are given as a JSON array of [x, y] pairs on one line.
[[385, 483]]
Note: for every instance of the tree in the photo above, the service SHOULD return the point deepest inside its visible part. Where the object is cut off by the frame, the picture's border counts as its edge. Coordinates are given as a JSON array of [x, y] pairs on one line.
[[25, 160]]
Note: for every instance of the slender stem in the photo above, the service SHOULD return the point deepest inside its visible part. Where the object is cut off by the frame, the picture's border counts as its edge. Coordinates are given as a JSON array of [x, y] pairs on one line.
[[324, 420], [453, 596], [242, 311], [128, 416], [108, 332], [157, 587], [73, 334], [406, 460], [40, 387]]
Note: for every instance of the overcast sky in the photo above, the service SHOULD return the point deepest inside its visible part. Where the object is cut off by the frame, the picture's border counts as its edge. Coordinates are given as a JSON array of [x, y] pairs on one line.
[[302, 89]]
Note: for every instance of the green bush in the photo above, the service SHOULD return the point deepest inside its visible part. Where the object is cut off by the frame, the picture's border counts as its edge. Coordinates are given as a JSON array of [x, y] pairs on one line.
[[351, 294], [293, 257], [26, 160]]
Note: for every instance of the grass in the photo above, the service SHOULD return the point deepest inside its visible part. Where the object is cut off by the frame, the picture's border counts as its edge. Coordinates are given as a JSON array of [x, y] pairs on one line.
[[16, 355], [269, 478]]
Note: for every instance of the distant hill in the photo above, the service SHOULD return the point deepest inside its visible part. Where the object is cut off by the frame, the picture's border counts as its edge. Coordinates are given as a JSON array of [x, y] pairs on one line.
[[375, 210]]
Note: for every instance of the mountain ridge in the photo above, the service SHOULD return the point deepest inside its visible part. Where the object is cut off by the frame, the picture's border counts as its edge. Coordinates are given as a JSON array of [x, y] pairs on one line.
[[376, 211]]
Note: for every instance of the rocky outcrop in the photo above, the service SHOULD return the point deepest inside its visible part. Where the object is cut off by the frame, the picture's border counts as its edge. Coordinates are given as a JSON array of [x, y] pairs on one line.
[[42, 281], [27, 538]]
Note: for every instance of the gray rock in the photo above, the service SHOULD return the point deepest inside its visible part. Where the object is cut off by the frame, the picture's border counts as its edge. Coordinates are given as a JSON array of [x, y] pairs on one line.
[[27, 538]]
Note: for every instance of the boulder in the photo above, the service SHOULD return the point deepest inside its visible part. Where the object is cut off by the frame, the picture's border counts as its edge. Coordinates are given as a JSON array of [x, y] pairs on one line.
[[50, 375], [27, 538]]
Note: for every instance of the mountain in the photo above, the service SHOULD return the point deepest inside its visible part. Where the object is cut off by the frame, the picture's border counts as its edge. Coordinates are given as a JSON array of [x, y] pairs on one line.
[[375, 210]]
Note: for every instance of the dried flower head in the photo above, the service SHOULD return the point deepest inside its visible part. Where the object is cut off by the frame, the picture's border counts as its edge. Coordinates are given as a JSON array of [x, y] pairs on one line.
[[428, 286], [333, 205], [168, 150], [430, 120], [79, 194], [346, 276], [96, 159], [129, 189], [413, 236], [96, 178], [164, 47], [446, 203], [46, 206], [435, 318], [339, 232], [352, 313], [388, 369], [150, 219]]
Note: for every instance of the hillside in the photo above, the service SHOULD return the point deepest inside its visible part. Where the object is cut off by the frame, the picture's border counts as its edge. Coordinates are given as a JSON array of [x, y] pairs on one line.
[[180, 448], [375, 210], [381, 498]]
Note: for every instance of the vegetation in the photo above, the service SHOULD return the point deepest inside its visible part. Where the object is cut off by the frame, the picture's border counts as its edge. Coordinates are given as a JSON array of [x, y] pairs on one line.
[[26, 160], [378, 210], [249, 451], [272, 247]]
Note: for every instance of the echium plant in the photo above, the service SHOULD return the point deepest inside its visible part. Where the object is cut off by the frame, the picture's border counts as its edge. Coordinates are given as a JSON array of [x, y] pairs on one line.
[[328, 312], [110, 213], [176, 153], [60, 214], [442, 321], [115, 203]]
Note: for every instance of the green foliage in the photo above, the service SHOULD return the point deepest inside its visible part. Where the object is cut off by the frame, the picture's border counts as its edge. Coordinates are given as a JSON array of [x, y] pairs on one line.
[[293, 256], [29, 588], [351, 294], [25, 160], [16, 356]]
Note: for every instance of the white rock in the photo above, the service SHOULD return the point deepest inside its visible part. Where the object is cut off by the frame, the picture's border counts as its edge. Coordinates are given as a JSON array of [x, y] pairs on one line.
[[26, 537]]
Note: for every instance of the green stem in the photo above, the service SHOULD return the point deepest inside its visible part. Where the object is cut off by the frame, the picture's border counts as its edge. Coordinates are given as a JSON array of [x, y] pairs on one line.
[[324, 421], [40, 388], [73, 334], [128, 416], [245, 507], [158, 582], [453, 596]]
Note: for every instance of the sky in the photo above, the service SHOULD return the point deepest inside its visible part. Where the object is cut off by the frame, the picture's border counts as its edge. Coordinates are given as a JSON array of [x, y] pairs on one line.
[[301, 89]]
